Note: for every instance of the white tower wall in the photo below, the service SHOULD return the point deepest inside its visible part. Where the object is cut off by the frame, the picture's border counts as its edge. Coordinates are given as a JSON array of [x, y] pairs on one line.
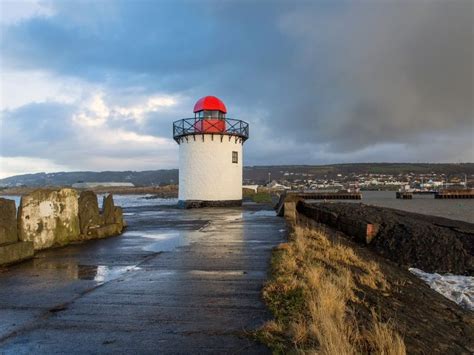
[[206, 170]]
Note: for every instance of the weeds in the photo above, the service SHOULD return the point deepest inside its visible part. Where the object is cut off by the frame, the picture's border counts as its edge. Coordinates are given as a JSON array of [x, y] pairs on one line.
[[310, 293]]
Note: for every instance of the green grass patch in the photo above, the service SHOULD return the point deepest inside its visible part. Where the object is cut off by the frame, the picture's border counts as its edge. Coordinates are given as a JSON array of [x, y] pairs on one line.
[[262, 197]]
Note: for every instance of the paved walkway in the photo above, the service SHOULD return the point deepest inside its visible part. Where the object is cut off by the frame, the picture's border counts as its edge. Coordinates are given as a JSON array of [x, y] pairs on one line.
[[122, 295]]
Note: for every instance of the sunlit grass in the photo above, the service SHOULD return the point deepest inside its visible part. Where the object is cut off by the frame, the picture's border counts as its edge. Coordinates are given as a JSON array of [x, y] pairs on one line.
[[310, 293]]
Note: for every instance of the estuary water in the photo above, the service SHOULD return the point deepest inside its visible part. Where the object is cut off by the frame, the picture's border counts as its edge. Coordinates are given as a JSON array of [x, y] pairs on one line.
[[462, 210]]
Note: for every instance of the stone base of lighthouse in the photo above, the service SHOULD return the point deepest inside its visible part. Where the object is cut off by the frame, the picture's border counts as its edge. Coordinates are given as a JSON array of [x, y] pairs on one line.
[[203, 204], [210, 171]]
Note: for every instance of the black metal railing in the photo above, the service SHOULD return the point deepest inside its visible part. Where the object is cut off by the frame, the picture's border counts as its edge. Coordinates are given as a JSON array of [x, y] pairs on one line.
[[225, 126]]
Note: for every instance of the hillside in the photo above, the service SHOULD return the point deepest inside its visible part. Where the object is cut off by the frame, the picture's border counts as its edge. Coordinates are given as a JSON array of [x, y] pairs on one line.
[[258, 174]]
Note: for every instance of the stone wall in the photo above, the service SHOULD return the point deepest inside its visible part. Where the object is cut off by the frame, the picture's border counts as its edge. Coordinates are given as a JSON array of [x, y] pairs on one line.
[[11, 249], [94, 225], [430, 243], [49, 218]]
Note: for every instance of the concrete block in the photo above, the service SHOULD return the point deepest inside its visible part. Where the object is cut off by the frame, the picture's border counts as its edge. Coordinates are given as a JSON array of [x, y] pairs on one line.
[[8, 224], [14, 252], [49, 218], [371, 231], [89, 214], [108, 209], [289, 209]]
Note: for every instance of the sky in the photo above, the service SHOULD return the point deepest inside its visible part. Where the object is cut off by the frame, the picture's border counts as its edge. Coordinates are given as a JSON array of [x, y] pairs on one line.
[[95, 85]]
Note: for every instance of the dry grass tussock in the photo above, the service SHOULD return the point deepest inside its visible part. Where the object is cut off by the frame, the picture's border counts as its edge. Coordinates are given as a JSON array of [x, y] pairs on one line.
[[313, 286]]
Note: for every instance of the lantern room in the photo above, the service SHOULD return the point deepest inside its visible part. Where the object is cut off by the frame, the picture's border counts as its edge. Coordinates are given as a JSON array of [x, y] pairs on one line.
[[209, 118], [210, 107], [210, 111]]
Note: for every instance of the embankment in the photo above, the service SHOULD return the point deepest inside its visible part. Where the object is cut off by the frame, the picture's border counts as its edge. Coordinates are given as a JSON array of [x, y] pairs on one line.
[[333, 289]]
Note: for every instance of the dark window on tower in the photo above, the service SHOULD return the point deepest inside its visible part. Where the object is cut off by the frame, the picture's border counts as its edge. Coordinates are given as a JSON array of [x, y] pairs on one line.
[[235, 157]]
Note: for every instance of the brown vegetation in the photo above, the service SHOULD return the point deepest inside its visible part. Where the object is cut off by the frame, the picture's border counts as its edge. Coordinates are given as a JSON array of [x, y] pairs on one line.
[[311, 294], [331, 294]]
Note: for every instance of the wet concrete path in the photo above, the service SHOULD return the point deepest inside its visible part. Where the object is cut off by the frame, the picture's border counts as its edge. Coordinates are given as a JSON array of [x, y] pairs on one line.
[[176, 282]]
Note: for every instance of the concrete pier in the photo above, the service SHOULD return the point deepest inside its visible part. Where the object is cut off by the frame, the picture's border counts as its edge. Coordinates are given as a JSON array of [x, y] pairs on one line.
[[404, 195], [455, 194], [178, 281]]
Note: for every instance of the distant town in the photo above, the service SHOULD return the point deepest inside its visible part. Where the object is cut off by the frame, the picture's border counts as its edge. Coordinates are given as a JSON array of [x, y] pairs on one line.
[[360, 176], [370, 181]]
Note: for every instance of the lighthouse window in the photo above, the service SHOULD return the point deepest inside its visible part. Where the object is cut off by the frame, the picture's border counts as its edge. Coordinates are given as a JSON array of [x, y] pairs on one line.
[[209, 114], [235, 157]]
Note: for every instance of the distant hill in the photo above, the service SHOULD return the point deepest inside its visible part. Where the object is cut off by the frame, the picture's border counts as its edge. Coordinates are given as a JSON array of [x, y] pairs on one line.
[[292, 172], [257, 174], [138, 178]]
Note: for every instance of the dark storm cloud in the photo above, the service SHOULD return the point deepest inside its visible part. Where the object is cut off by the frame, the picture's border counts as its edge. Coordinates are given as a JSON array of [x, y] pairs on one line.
[[333, 77]]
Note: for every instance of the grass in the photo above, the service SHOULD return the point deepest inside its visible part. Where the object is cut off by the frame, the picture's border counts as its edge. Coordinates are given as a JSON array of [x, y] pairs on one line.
[[258, 197], [312, 293]]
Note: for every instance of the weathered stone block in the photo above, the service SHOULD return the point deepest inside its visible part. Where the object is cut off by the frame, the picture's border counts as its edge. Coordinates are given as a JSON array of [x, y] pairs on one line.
[[204, 204], [290, 211], [89, 214], [108, 209], [118, 217], [8, 224], [49, 218], [353, 226], [14, 252]]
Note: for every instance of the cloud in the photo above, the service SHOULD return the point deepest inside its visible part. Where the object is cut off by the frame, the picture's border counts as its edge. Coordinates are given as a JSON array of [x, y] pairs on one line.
[[20, 165], [22, 87], [88, 135], [318, 82], [15, 11]]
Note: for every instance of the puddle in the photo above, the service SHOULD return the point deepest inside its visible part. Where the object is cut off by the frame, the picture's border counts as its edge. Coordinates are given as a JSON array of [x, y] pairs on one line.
[[262, 213], [152, 234], [103, 273], [159, 241], [232, 217]]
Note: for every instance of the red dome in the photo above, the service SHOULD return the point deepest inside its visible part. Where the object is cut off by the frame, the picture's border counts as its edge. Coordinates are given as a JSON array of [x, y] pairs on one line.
[[210, 103]]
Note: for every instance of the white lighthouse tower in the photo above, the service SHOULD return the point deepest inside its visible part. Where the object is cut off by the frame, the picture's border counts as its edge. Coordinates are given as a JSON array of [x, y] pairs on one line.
[[210, 156]]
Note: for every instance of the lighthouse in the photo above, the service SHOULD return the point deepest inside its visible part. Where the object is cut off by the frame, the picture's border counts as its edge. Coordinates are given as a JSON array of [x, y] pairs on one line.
[[210, 156]]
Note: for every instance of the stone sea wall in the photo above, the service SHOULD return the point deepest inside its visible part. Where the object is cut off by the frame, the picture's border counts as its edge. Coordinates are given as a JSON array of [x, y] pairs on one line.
[[51, 218], [430, 243], [11, 249]]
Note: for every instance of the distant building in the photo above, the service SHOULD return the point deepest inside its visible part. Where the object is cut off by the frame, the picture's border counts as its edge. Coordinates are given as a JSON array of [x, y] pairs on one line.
[[277, 186], [88, 185]]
